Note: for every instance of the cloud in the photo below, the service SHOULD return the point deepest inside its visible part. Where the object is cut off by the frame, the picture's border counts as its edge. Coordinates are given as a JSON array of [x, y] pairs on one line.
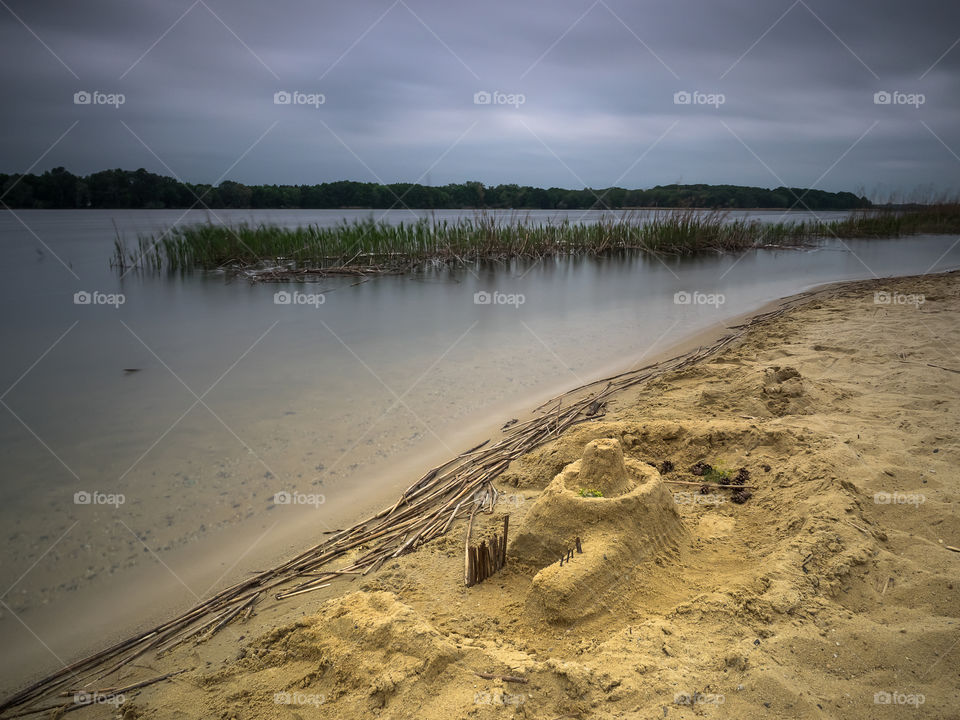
[[798, 81]]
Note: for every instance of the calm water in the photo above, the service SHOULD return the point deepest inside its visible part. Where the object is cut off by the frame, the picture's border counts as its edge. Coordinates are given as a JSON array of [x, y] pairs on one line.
[[234, 398]]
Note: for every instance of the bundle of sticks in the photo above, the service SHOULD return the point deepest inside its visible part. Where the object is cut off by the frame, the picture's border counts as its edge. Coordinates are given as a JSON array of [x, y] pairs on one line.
[[426, 510], [484, 560]]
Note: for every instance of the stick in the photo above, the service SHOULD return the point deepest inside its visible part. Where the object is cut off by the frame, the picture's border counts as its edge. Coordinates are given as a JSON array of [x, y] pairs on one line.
[[505, 678], [941, 367], [857, 527], [466, 551], [701, 484], [306, 590], [506, 526]]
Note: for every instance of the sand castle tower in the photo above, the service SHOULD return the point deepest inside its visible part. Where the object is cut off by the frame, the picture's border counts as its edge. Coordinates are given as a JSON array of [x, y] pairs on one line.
[[624, 516]]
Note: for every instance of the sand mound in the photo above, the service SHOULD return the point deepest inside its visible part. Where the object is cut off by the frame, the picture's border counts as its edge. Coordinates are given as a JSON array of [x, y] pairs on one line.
[[602, 470], [633, 522], [782, 386], [368, 654], [363, 648]]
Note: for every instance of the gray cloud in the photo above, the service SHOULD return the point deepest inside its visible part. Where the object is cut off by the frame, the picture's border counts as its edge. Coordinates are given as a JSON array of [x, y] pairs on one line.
[[399, 80]]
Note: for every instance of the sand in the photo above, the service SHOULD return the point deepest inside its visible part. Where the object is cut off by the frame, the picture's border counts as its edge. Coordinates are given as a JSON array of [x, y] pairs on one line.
[[830, 593]]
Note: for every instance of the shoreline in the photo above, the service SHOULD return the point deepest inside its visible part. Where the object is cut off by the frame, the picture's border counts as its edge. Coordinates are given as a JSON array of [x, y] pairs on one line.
[[701, 338], [146, 603]]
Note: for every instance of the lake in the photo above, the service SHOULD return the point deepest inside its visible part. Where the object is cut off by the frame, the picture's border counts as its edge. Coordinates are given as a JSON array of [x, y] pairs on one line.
[[164, 434]]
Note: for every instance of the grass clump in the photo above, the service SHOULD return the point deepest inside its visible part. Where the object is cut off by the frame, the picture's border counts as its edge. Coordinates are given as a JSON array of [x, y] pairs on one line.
[[584, 492], [372, 246], [719, 475]]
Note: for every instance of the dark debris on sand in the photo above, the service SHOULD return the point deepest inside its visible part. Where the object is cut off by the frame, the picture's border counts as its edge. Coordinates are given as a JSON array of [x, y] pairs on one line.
[[741, 496], [701, 468]]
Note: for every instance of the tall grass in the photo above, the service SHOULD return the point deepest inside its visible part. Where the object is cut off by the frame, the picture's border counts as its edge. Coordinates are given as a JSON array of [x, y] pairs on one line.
[[372, 245]]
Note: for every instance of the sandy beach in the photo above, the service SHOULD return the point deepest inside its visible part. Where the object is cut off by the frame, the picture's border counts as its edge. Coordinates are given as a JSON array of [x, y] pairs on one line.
[[826, 588]]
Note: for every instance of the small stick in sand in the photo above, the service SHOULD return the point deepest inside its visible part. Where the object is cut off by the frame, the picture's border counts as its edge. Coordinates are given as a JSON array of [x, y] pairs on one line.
[[941, 367], [699, 484], [857, 527], [505, 678]]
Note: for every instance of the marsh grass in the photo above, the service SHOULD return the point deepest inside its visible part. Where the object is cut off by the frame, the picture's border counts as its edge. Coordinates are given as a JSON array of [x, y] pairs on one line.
[[367, 245]]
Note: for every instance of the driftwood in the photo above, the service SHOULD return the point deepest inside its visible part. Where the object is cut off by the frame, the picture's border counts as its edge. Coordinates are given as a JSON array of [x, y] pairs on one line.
[[91, 695], [425, 511], [284, 274]]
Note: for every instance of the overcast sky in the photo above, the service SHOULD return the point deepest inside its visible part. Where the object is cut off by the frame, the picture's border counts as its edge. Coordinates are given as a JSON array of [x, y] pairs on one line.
[[780, 92]]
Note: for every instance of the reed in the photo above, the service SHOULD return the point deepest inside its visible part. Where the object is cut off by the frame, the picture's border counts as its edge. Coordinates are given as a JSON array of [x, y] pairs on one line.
[[368, 246]]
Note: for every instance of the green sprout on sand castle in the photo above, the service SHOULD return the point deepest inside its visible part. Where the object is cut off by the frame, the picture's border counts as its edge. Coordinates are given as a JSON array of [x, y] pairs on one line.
[[584, 492], [712, 473], [718, 474]]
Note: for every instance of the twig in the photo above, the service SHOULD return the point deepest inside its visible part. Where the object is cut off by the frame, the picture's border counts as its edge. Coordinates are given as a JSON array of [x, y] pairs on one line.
[[701, 484], [941, 367], [852, 524], [505, 678]]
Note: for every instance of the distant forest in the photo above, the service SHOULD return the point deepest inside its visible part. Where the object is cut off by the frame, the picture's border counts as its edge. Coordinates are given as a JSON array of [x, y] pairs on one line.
[[59, 188]]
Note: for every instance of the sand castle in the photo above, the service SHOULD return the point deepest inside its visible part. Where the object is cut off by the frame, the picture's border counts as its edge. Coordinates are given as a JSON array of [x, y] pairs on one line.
[[622, 513]]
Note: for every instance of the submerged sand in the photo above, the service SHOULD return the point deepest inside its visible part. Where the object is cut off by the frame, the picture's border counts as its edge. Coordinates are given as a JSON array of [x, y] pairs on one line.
[[830, 593]]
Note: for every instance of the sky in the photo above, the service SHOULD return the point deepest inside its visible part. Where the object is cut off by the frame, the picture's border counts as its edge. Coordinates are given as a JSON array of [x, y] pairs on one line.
[[860, 96]]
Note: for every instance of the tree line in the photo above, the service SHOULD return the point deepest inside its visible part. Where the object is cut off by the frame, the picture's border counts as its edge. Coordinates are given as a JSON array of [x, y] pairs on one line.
[[59, 188]]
